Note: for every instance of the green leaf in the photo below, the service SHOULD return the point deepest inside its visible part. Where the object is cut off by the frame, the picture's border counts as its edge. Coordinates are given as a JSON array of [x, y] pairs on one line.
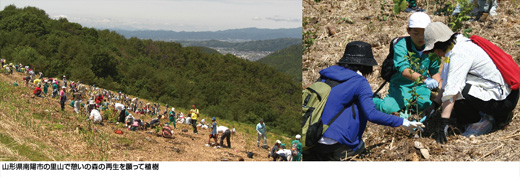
[[399, 5]]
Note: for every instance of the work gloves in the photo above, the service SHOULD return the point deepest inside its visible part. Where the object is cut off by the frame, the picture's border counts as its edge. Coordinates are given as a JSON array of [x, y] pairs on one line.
[[442, 130], [430, 110], [431, 83], [411, 126]]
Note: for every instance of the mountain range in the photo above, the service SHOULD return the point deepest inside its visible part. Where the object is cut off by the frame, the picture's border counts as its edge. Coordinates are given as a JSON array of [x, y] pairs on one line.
[[233, 35]]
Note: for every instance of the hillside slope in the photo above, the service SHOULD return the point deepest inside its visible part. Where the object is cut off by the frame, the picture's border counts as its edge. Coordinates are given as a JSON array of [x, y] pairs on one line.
[[365, 21], [286, 60], [35, 129]]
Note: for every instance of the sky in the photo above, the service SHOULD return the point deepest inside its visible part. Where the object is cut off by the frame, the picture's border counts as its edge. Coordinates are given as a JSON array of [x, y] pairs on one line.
[[174, 15]]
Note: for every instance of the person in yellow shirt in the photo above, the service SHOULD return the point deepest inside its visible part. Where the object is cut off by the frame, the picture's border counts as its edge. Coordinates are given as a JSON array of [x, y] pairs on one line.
[[194, 114]]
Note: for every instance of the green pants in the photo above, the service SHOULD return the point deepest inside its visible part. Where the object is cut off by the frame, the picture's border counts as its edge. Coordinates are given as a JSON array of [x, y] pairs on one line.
[[395, 101], [172, 120]]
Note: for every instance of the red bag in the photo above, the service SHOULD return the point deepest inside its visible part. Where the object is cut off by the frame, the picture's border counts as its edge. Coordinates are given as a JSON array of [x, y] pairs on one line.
[[504, 62]]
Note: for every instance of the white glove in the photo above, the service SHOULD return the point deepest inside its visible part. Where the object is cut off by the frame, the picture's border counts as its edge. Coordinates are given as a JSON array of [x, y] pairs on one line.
[[410, 126], [431, 83]]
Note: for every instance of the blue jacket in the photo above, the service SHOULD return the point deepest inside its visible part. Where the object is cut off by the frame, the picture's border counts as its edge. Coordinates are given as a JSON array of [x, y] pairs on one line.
[[354, 88]]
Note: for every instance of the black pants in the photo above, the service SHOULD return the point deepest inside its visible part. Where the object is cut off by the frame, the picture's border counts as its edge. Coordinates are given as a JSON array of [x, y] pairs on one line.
[[466, 111], [227, 135], [62, 105], [275, 156], [283, 157], [194, 124], [122, 116], [335, 152]]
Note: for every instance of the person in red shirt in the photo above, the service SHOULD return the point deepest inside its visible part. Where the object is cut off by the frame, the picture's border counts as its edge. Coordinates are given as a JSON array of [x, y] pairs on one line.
[[99, 99], [38, 91]]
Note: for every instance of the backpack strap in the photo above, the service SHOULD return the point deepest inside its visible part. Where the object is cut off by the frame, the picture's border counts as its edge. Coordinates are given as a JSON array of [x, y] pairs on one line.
[[394, 41], [340, 112]]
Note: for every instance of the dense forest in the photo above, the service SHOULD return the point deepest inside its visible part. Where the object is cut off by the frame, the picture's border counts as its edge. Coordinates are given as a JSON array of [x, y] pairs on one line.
[[287, 60], [271, 45], [220, 85]]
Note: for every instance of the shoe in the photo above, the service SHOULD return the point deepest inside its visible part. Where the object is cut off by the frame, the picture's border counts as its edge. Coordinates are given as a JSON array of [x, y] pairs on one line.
[[413, 9], [484, 126]]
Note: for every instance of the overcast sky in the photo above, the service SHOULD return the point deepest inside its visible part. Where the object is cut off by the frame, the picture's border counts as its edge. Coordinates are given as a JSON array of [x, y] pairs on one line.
[[176, 15]]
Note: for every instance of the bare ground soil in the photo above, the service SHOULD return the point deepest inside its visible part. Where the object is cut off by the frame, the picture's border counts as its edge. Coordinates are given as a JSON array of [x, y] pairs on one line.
[[333, 23], [39, 130]]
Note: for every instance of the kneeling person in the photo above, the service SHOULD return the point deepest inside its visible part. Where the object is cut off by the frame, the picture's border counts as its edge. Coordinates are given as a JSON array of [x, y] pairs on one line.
[[96, 116]]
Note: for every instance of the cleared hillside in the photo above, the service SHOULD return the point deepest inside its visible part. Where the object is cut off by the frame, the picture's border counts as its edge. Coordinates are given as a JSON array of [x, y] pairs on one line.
[[35, 129]]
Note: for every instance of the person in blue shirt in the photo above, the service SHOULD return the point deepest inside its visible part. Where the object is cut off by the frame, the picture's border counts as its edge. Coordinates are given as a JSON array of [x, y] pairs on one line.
[[352, 96], [213, 131], [261, 133]]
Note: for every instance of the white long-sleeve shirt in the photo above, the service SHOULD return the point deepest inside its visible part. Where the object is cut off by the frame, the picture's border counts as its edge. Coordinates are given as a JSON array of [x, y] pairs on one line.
[[468, 63], [95, 115], [287, 153]]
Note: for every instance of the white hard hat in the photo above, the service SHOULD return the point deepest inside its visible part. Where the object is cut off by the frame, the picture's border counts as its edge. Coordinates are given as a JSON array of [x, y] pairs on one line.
[[173, 109], [298, 136], [419, 20], [278, 142]]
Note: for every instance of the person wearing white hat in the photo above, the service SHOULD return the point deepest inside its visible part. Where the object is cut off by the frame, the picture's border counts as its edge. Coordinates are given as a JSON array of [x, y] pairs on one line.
[[171, 115], [474, 91], [275, 149], [54, 88], [63, 98], [297, 148], [403, 80], [45, 87], [64, 81]]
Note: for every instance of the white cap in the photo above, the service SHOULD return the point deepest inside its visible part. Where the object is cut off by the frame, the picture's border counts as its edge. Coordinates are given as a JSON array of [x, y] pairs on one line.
[[278, 142], [419, 20], [173, 109], [298, 136], [63, 87]]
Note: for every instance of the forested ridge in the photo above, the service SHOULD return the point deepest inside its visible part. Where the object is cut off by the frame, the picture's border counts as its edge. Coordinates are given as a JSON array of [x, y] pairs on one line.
[[220, 85], [287, 60]]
